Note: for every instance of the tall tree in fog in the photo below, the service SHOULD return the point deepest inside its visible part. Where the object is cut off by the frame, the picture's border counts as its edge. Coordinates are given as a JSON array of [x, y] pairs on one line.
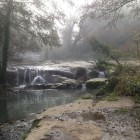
[[109, 11], [9, 7], [68, 35], [25, 21]]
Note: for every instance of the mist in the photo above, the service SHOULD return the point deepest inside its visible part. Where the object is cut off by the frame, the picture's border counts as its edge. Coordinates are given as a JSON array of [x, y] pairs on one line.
[[119, 35]]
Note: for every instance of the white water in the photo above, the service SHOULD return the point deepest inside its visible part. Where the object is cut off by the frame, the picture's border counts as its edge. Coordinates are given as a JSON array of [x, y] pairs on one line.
[[101, 74], [38, 80]]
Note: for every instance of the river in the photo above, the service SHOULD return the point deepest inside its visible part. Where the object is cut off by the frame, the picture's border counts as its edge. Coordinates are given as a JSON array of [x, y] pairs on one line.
[[20, 105]]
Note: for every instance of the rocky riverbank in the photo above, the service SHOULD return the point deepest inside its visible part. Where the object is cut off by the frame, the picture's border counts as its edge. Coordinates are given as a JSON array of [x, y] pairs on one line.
[[89, 120], [15, 130]]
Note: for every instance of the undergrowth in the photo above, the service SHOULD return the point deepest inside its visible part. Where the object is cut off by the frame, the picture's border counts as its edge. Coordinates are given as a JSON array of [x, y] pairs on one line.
[[87, 96], [35, 123], [111, 97]]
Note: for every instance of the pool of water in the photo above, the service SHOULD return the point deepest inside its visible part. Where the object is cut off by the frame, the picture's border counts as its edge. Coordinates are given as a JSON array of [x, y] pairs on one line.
[[23, 104]]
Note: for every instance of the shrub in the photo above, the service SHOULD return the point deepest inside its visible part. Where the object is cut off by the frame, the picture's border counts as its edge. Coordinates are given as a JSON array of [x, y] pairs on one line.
[[103, 65], [87, 96], [137, 99], [128, 82], [111, 97]]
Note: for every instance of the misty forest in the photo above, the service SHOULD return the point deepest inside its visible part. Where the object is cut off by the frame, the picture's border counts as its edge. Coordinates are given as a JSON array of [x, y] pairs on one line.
[[69, 69]]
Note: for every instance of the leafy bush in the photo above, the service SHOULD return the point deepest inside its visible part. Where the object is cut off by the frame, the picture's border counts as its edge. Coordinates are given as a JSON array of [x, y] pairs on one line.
[[87, 96], [137, 99], [128, 82], [111, 97], [103, 65], [124, 81]]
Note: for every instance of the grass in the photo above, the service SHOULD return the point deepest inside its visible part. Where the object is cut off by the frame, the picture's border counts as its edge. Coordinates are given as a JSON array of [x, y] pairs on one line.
[[35, 123], [137, 99], [111, 97], [87, 96]]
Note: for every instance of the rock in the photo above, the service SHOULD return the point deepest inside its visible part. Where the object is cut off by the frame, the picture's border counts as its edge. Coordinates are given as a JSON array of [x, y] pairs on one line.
[[68, 84], [48, 86], [61, 73], [95, 83], [93, 74], [11, 77], [58, 79], [81, 74]]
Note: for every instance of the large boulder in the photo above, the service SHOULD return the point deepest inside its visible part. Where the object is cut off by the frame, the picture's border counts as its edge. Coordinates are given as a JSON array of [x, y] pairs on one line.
[[57, 79], [38, 87], [95, 83], [81, 74], [93, 74], [60, 73], [68, 84]]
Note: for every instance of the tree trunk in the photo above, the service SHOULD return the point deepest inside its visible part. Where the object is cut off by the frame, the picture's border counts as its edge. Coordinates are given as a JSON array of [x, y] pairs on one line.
[[6, 42]]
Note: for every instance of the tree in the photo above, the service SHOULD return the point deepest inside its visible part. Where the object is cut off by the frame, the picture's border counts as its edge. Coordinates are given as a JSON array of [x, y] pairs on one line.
[[110, 10], [137, 43], [106, 11], [102, 49], [6, 41], [29, 24]]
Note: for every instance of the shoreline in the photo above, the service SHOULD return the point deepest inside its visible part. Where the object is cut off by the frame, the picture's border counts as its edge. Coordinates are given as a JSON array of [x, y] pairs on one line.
[[86, 119]]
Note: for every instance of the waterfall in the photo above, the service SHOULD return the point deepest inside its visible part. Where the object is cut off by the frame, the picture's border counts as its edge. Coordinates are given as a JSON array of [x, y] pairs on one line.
[[25, 75], [17, 77], [83, 87], [101, 74], [38, 80]]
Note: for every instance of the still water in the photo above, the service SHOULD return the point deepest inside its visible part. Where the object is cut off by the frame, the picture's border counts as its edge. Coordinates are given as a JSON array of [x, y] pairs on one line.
[[20, 105]]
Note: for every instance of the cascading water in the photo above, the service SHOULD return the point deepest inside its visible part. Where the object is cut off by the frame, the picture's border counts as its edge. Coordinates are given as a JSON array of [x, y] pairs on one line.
[[101, 74], [29, 76], [38, 80], [25, 75]]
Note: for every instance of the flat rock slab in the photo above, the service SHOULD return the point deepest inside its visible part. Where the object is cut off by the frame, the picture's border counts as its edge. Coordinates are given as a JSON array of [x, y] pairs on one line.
[[123, 102], [57, 130], [68, 108], [87, 120]]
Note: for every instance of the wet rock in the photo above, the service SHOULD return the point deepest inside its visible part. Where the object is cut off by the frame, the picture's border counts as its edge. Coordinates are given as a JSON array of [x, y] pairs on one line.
[[11, 77], [81, 74], [68, 84], [95, 83], [58, 79], [48, 86], [61, 73], [93, 74]]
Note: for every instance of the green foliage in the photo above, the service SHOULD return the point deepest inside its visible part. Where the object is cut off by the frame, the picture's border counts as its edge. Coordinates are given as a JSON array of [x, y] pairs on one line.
[[102, 65], [128, 82], [123, 81], [121, 111], [35, 123], [31, 28], [111, 97], [87, 96], [137, 99], [108, 87], [103, 51]]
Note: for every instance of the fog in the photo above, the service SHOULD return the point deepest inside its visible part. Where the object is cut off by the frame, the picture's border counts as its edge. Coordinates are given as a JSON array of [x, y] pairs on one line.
[[116, 36]]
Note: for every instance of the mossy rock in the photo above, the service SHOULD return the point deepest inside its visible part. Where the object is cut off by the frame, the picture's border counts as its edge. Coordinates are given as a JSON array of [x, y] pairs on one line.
[[95, 83], [68, 84]]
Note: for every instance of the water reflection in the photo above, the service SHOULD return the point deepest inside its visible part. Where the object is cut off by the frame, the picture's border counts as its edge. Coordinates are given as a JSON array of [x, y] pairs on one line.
[[19, 106]]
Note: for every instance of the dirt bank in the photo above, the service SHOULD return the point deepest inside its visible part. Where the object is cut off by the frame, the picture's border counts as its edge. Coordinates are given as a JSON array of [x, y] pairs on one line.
[[88, 120]]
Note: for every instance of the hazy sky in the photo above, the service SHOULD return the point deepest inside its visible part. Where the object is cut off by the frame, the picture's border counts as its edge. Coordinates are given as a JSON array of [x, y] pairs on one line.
[[71, 7]]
